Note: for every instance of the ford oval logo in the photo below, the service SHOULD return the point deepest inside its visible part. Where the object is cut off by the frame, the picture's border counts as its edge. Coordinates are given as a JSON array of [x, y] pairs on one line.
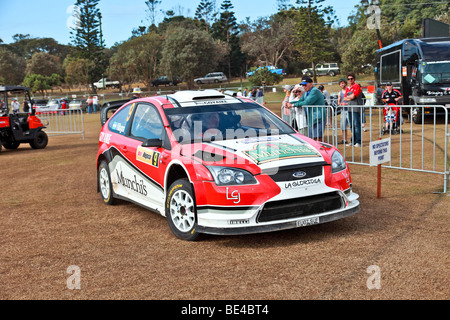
[[299, 174]]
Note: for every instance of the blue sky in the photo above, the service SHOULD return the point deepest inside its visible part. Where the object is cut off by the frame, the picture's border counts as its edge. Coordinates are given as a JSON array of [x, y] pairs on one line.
[[49, 18]]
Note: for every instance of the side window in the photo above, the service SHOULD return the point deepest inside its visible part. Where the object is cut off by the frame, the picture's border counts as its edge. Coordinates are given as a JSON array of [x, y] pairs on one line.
[[119, 121], [147, 123]]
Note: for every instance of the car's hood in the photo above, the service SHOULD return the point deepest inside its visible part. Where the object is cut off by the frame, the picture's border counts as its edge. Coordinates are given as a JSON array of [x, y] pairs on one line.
[[265, 152]]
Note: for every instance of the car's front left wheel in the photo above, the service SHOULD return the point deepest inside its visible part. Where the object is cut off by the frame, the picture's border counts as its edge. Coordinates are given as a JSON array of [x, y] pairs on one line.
[[181, 210]]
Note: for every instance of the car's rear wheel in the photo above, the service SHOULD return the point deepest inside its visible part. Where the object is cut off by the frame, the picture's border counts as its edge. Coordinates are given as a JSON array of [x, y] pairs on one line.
[[331, 73], [40, 141], [181, 210], [104, 183]]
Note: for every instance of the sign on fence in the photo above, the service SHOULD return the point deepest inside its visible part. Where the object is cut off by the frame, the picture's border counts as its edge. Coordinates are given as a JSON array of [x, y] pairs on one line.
[[380, 151]]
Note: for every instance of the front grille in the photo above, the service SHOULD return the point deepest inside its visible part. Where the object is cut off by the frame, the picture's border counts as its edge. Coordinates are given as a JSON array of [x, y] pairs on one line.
[[287, 173], [299, 207]]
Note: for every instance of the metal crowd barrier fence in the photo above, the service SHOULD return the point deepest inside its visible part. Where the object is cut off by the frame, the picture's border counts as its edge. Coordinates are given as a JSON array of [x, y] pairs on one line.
[[414, 147], [63, 122]]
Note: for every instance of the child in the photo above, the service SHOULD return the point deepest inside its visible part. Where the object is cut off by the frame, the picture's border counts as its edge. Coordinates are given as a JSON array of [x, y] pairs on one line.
[[389, 119]]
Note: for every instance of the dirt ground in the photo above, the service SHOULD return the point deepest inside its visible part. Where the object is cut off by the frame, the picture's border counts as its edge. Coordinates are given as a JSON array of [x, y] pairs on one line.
[[52, 219]]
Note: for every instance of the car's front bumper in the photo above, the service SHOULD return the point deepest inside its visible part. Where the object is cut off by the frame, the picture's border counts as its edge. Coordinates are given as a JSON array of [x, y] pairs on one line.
[[246, 220]]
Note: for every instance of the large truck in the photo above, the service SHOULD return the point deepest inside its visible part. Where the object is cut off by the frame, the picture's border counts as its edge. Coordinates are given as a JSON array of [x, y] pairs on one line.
[[420, 69]]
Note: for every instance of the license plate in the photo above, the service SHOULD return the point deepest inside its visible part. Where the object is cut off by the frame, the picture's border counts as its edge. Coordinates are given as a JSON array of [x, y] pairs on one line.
[[308, 222]]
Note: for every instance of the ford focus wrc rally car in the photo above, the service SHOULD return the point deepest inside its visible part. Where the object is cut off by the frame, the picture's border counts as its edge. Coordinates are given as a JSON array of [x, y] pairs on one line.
[[217, 164]]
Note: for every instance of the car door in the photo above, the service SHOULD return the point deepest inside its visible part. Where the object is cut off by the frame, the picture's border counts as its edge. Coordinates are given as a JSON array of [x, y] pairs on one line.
[[133, 174], [147, 125]]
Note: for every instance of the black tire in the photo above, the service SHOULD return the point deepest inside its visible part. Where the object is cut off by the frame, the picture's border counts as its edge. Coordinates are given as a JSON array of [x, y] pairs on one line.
[[199, 82], [416, 115], [331, 73], [11, 145], [181, 212], [40, 140], [104, 183]]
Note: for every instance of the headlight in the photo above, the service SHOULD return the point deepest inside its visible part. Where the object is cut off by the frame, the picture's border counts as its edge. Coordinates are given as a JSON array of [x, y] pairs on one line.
[[226, 176], [337, 162]]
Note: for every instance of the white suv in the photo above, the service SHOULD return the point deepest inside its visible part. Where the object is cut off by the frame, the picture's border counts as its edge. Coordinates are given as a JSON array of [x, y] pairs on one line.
[[323, 69], [214, 77]]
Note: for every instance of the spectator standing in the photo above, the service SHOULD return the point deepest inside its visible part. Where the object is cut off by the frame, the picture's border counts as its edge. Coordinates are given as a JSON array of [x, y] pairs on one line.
[[353, 98], [316, 116], [259, 96], [15, 106], [344, 112], [89, 104], [94, 103], [137, 93], [25, 106], [285, 112], [63, 106], [301, 123]]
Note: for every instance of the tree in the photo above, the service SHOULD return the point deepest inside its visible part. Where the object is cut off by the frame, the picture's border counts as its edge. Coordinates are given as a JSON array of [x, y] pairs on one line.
[[151, 10], [313, 30], [12, 67], [205, 13], [44, 64], [226, 29], [87, 38], [189, 52], [40, 83], [77, 71], [137, 59], [263, 76], [269, 40]]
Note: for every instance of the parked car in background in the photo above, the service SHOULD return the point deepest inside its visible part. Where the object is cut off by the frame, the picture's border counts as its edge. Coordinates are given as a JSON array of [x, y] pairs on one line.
[[106, 83], [39, 103], [270, 68], [52, 105], [78, 104], [323, 69], [214, 77], [166, 81]]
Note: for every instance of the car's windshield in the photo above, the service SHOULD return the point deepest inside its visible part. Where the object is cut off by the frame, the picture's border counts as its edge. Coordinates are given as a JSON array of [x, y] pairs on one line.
[[436, 72], [224, 122]]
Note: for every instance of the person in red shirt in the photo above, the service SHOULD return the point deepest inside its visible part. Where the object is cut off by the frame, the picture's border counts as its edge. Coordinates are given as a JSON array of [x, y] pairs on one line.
[[352, 98]]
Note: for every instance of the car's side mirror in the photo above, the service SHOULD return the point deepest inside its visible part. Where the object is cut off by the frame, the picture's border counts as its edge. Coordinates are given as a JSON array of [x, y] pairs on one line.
[[152, 143]]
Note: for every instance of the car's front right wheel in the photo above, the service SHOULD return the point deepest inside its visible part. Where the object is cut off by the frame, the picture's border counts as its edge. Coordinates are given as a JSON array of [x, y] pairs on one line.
[[181, 210]]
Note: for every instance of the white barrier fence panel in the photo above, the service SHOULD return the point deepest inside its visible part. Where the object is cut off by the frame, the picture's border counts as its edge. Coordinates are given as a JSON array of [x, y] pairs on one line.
[[63, 122], [421, 147]]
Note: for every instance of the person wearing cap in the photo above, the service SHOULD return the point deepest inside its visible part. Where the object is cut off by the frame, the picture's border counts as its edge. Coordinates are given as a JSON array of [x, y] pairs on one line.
[[137, 93], [391, 97], [316, 116], [15, 106]]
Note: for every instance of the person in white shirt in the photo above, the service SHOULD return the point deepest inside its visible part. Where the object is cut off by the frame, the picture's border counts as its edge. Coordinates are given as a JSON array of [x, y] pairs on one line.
[[15, 106]]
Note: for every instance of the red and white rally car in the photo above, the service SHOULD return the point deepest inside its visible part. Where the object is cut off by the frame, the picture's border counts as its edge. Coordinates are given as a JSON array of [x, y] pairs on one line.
[[217, 164]]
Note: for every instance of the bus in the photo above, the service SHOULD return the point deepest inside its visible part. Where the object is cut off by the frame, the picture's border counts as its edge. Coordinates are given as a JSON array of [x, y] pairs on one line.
[[420, 70]]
